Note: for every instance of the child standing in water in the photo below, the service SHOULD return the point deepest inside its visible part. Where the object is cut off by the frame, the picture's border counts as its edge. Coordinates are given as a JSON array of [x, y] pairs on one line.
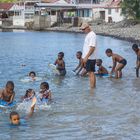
[[7, 94], [102, 70], [137, 51], [60, 64], [45, 93], [117, 68], [80, 67]]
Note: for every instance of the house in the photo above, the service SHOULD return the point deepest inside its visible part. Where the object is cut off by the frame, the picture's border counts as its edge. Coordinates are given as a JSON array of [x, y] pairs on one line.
[[113, 11], [13, 13], [58, 11], [85, 9], [108, 11], [29, 9]]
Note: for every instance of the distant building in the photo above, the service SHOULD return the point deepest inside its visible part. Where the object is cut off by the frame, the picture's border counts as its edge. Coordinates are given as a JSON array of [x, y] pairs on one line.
[[109, 11], [13, 13], [113, 11], [57, 12]]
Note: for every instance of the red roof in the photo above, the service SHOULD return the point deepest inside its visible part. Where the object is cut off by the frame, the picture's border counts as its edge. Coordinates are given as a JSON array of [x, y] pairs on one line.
[[6, 6], [114, 3]]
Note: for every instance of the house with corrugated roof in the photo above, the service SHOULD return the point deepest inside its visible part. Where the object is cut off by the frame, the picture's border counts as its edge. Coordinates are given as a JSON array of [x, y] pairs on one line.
[[12, 12]]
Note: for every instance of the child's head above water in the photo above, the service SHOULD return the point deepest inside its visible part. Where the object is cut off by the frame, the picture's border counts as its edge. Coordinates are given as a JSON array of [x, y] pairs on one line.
[[135, 47], [10, 87], [79, 55], [99, 62], [109, 52], [44, 86], [60, 55], [32, 74], [29, 93], [14, 118]]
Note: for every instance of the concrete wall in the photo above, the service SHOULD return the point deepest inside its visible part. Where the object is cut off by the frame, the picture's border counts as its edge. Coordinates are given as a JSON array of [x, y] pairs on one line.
[[18, 20], [96, 12], [115, 15], [41, 22]]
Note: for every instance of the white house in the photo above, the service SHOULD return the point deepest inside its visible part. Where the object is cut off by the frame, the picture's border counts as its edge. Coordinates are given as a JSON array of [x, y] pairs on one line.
[[113, 11], [14, 13], [109, 11]]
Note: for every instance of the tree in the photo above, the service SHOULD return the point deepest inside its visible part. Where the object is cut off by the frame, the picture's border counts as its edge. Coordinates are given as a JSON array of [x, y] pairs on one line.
[[131, 9], [1, 1]]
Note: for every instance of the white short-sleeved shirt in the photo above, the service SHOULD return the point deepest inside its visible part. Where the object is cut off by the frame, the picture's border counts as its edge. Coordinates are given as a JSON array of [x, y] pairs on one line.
[[90, 41]]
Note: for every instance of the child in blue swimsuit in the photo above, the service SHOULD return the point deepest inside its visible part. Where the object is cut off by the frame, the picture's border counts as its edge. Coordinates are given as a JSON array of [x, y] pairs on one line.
[[7, 94]]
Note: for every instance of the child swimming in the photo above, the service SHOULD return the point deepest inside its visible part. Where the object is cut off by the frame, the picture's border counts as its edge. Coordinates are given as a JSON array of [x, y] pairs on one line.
[[102, 70], [14, 118], [45, 93], [137, 51], [60, 64], [117, 68], [7, 94], [32, 75], [80, 67], [30, 93]]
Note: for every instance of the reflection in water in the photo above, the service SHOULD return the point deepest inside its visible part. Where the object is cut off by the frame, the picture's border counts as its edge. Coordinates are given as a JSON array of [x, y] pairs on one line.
[[111, 111]]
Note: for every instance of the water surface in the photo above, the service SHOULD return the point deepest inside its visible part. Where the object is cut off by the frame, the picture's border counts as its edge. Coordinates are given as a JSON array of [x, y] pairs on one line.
[[111, 112]]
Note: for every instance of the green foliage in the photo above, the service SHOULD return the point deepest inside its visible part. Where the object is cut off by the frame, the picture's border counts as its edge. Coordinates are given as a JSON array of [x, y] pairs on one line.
[[131, 9], [7, 1]]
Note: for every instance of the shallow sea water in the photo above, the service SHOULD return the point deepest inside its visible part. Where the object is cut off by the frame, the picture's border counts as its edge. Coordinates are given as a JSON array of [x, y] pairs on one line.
[[110, 112]]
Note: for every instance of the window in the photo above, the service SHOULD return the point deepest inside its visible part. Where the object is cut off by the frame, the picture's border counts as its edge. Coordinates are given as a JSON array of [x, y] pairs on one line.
[[109, 11]]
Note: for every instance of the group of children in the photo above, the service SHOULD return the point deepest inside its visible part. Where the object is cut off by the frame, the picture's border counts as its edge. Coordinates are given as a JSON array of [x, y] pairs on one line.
[[118, 63], [7, 94]]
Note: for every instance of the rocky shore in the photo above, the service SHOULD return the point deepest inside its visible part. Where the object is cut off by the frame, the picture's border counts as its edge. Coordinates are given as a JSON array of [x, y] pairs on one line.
[[128, 32]]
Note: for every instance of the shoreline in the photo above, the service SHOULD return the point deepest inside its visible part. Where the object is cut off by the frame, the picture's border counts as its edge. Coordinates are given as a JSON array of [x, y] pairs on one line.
[[129, 33]]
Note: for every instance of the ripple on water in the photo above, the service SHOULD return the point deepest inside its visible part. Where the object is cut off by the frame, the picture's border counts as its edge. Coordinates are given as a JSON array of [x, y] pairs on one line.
[[110, 112]]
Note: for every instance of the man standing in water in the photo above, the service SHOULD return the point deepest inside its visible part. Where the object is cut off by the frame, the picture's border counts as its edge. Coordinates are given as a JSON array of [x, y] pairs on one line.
[[89, 53]]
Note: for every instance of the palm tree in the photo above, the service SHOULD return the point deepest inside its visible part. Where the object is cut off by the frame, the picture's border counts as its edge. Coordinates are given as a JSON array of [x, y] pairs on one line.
[[131, 9]]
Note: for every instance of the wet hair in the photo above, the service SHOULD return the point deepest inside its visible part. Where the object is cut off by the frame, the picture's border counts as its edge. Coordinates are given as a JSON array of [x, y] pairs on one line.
[[79, 52], [134, 46], [12, 114], [32, 72], [10, 83], [61, 53], [27, 92], [108, 51], [100, 60], [45, 84]]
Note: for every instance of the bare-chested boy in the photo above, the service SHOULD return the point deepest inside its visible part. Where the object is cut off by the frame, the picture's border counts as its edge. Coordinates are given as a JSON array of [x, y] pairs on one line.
[[137, 51], [102, 70], [7, 94], [118, 63], [80, 69]]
